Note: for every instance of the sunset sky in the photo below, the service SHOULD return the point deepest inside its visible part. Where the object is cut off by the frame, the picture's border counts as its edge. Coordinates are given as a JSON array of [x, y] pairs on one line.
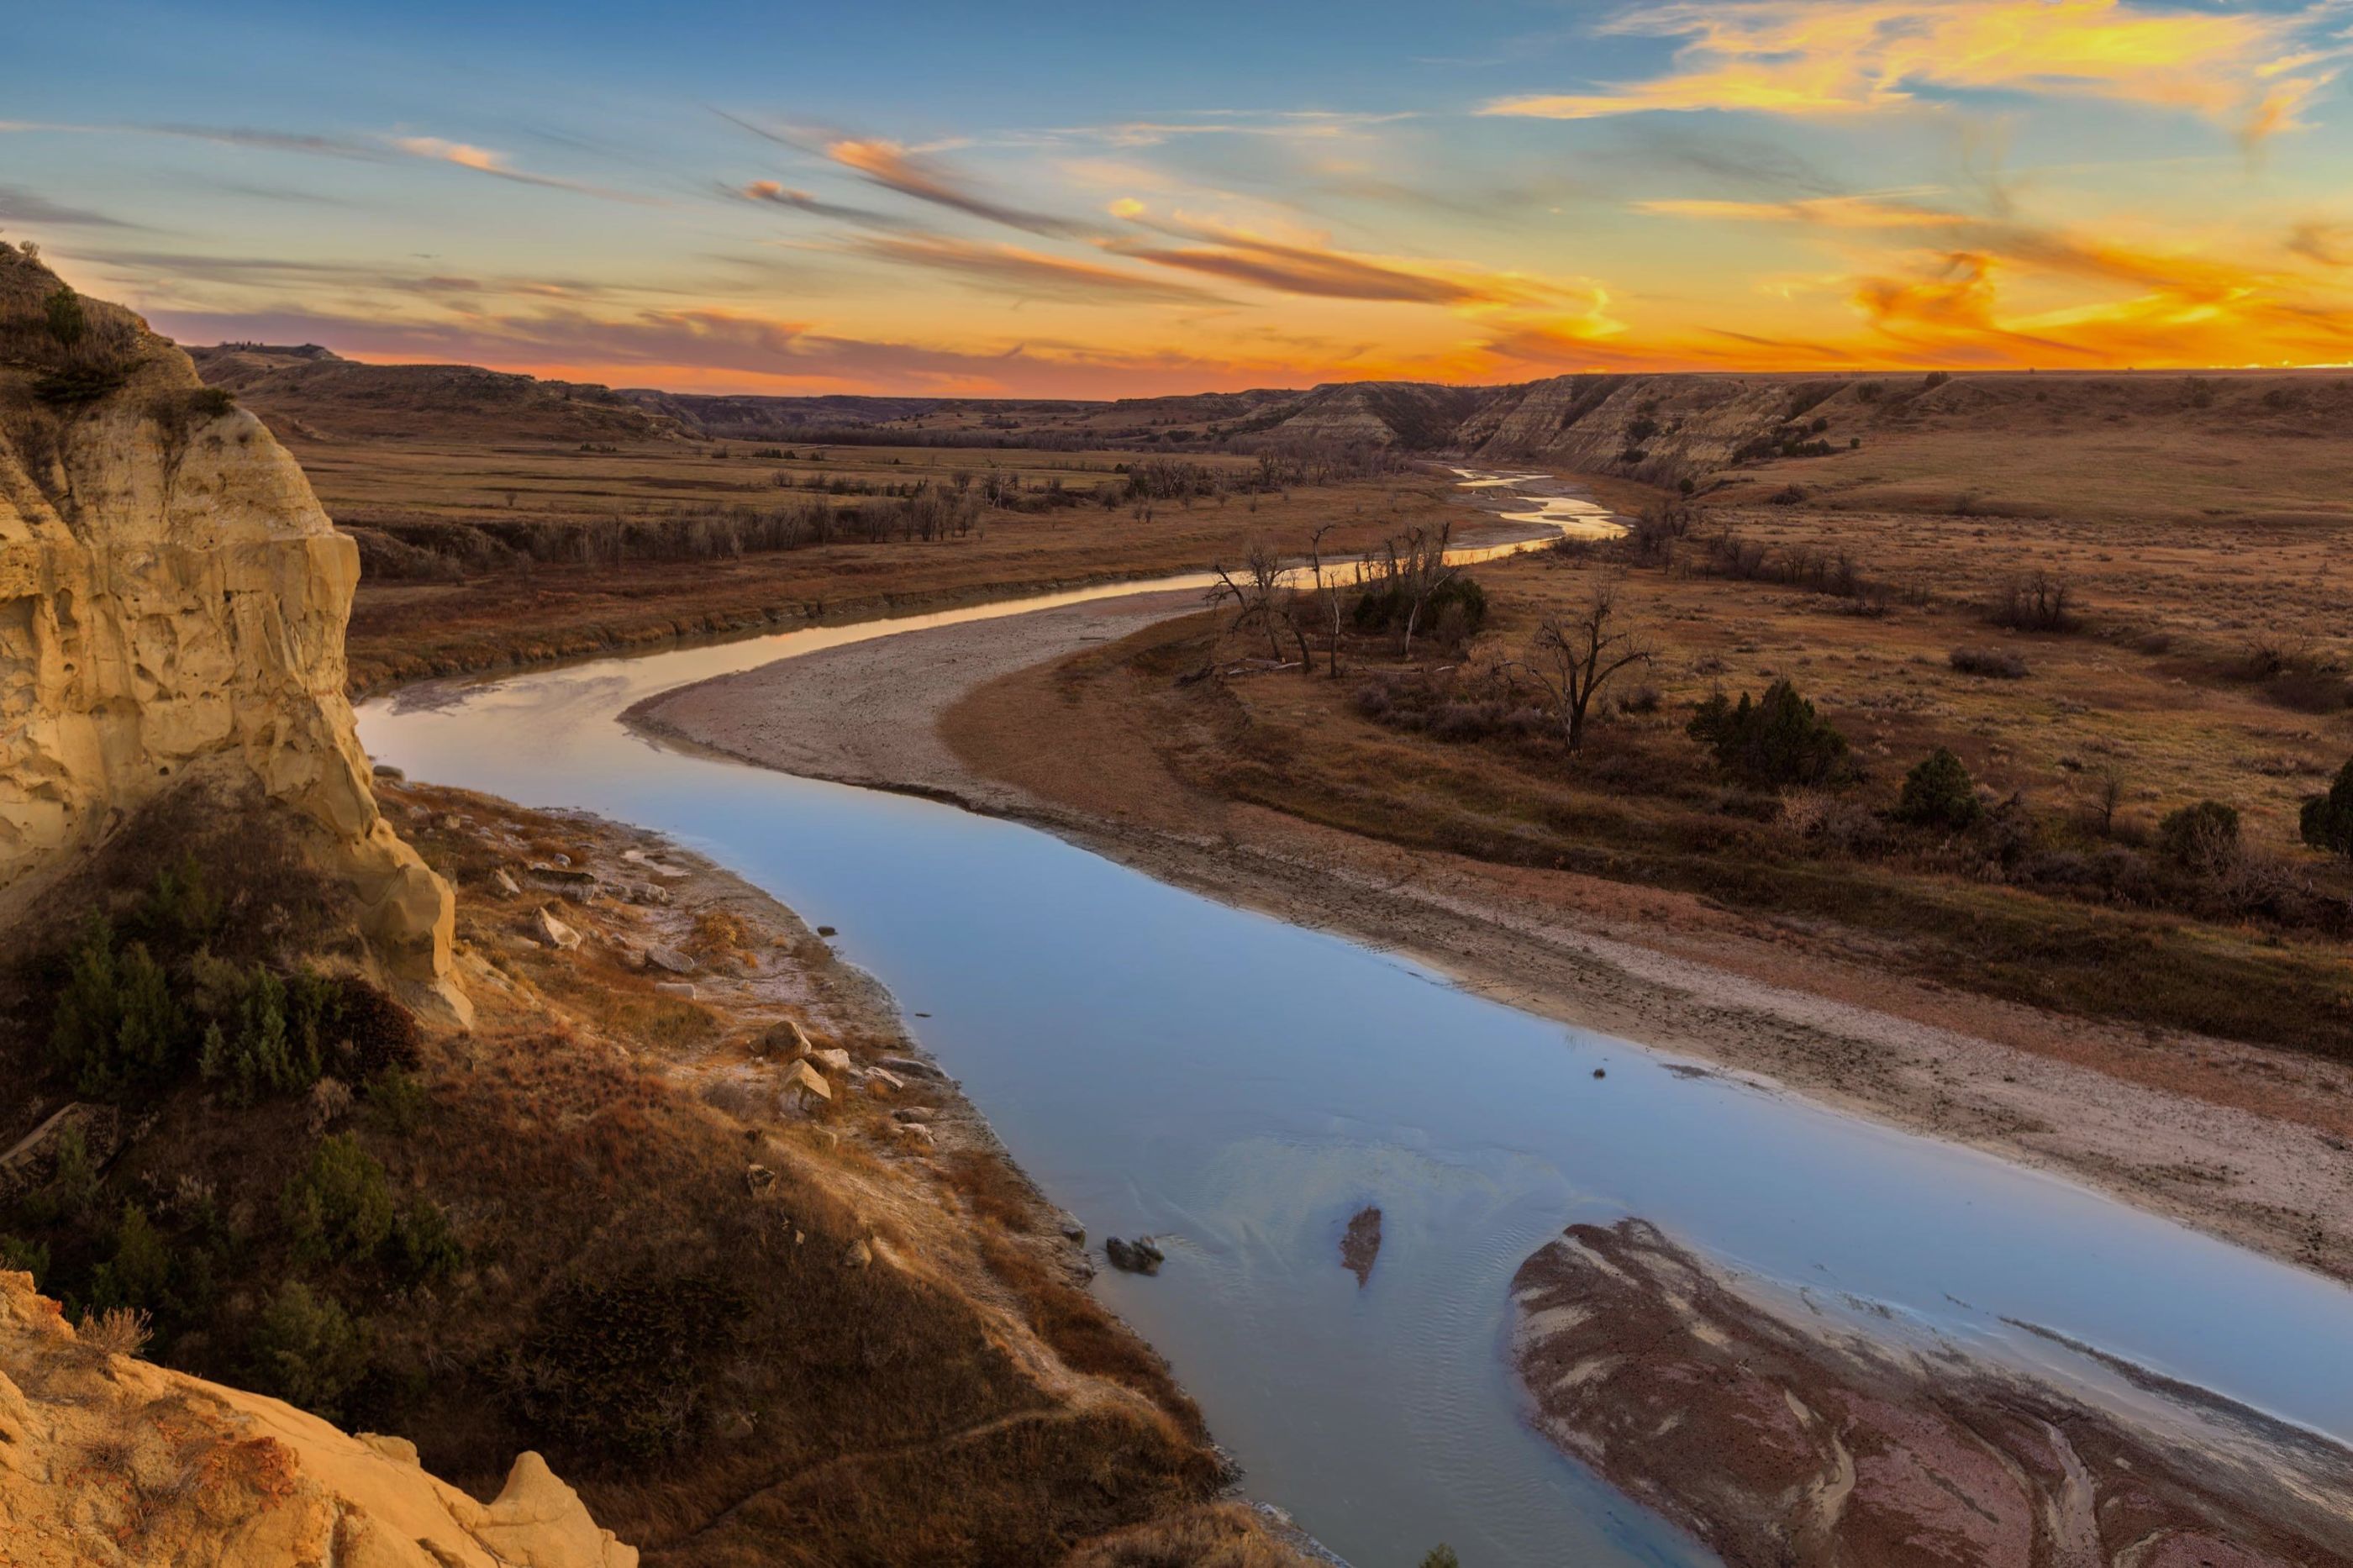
[[1100, 200]]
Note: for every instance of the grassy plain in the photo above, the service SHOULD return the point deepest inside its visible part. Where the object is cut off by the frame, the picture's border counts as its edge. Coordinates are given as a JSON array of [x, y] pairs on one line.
[[521, 612]]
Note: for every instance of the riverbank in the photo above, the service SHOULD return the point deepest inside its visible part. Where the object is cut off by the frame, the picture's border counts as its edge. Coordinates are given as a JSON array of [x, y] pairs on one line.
[[1020, 716]]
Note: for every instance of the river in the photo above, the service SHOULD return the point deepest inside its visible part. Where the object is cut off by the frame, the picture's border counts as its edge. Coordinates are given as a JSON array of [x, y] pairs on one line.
[[1239, 1087]]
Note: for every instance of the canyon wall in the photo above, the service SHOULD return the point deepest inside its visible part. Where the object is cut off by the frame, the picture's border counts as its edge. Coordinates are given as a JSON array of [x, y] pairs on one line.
[[172, 609]]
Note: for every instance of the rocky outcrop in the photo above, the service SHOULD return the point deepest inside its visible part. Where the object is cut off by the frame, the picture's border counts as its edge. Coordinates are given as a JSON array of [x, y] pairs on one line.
[[106, 1461], [172, 611], [1785, 1436]]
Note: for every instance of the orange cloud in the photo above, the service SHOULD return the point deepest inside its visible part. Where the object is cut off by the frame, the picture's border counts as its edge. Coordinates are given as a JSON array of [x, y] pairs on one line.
[[1824, 212], [1306, 266], [2253, 70]]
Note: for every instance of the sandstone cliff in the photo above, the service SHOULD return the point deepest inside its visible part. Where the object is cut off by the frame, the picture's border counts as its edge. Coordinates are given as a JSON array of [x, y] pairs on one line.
[[107, 1460], [172, 612]]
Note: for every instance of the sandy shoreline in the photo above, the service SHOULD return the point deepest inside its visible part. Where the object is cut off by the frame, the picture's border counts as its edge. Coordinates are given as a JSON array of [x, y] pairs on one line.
[[2243, 1142]]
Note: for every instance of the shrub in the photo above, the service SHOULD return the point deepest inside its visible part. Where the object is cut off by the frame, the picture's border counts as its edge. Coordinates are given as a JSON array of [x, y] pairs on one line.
[[69, 323], [115, 1026], [72, 1187], [1775, 740], [258, 1055], [2038, 602], [1998, 664], [1458, 603], [1938, 792], [396, 1102], [609, 1362], [2327, 821], [27, 1256], [118, 1331], [338, 1206], [181, 905], [306, 1350], [2200, 838], [422, 1246], [136, 1273]]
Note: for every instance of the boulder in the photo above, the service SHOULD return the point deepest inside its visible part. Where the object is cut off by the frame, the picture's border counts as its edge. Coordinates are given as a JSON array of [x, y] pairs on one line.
[[786, 1038], [1138, 1257], [833, 1058], [669, 959], [552, 932], [806, 1085], [683, 990], [503, 880], [858, 1256]]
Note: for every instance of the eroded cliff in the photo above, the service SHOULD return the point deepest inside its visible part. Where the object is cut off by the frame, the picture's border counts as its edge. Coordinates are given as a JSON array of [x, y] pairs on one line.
[[172, 609], [106, 1461]]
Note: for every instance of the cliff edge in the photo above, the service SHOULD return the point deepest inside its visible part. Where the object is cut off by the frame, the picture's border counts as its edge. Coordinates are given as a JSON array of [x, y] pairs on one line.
[[172, 609], [108, 1460]]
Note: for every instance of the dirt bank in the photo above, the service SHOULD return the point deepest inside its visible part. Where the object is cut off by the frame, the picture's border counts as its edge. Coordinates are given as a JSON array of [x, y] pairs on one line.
[[1014, 718]]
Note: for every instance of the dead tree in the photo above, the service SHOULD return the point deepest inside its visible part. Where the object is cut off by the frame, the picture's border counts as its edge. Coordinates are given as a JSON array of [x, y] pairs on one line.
[[1327, 590], [1425, 573], [1572, 657], [1261, 597]]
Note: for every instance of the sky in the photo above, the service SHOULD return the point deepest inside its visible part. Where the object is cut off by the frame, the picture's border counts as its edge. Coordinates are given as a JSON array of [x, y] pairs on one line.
[[1099, 200]]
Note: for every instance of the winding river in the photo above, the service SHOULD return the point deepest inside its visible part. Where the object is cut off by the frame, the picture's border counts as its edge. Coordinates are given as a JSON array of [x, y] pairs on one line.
[[1239, 1087]]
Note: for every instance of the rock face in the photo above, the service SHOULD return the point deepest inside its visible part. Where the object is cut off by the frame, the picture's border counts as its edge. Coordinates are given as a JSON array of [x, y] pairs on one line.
[[172, 610], [1783, 1435], [107, 1462]]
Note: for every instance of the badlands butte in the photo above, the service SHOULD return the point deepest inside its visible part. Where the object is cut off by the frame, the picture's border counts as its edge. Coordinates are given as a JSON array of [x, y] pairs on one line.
[[373, 1153]]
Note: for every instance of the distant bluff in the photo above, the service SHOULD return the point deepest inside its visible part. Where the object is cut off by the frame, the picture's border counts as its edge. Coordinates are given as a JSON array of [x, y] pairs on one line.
[[172, 610]]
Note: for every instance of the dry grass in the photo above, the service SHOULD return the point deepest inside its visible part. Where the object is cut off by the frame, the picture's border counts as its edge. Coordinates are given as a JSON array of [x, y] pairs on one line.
[[2177, 726]]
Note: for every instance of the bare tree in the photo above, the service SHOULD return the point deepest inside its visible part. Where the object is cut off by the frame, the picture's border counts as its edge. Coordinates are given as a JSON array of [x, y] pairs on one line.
[[1327, 590], [1261, 597], [1572, 657], [2109, 789], [1419, 566]]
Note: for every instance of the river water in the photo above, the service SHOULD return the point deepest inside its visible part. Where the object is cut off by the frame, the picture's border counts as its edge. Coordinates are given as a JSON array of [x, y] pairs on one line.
[[1239, 1087]]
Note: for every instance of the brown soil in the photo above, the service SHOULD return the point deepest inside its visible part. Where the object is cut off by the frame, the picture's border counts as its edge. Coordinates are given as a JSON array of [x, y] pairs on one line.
[[1785, 1440], [2247, 1142]]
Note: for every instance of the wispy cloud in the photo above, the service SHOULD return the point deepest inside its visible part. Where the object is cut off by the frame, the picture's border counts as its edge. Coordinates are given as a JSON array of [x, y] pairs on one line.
[[1303, 266], [892, 167], [20, 205], [770, 193], [500, 165], [1027, 274], [2250, 69], [1822, 212]]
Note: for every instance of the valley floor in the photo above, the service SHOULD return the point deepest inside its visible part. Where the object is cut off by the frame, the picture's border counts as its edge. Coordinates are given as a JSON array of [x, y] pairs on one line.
[[1014, 717]]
